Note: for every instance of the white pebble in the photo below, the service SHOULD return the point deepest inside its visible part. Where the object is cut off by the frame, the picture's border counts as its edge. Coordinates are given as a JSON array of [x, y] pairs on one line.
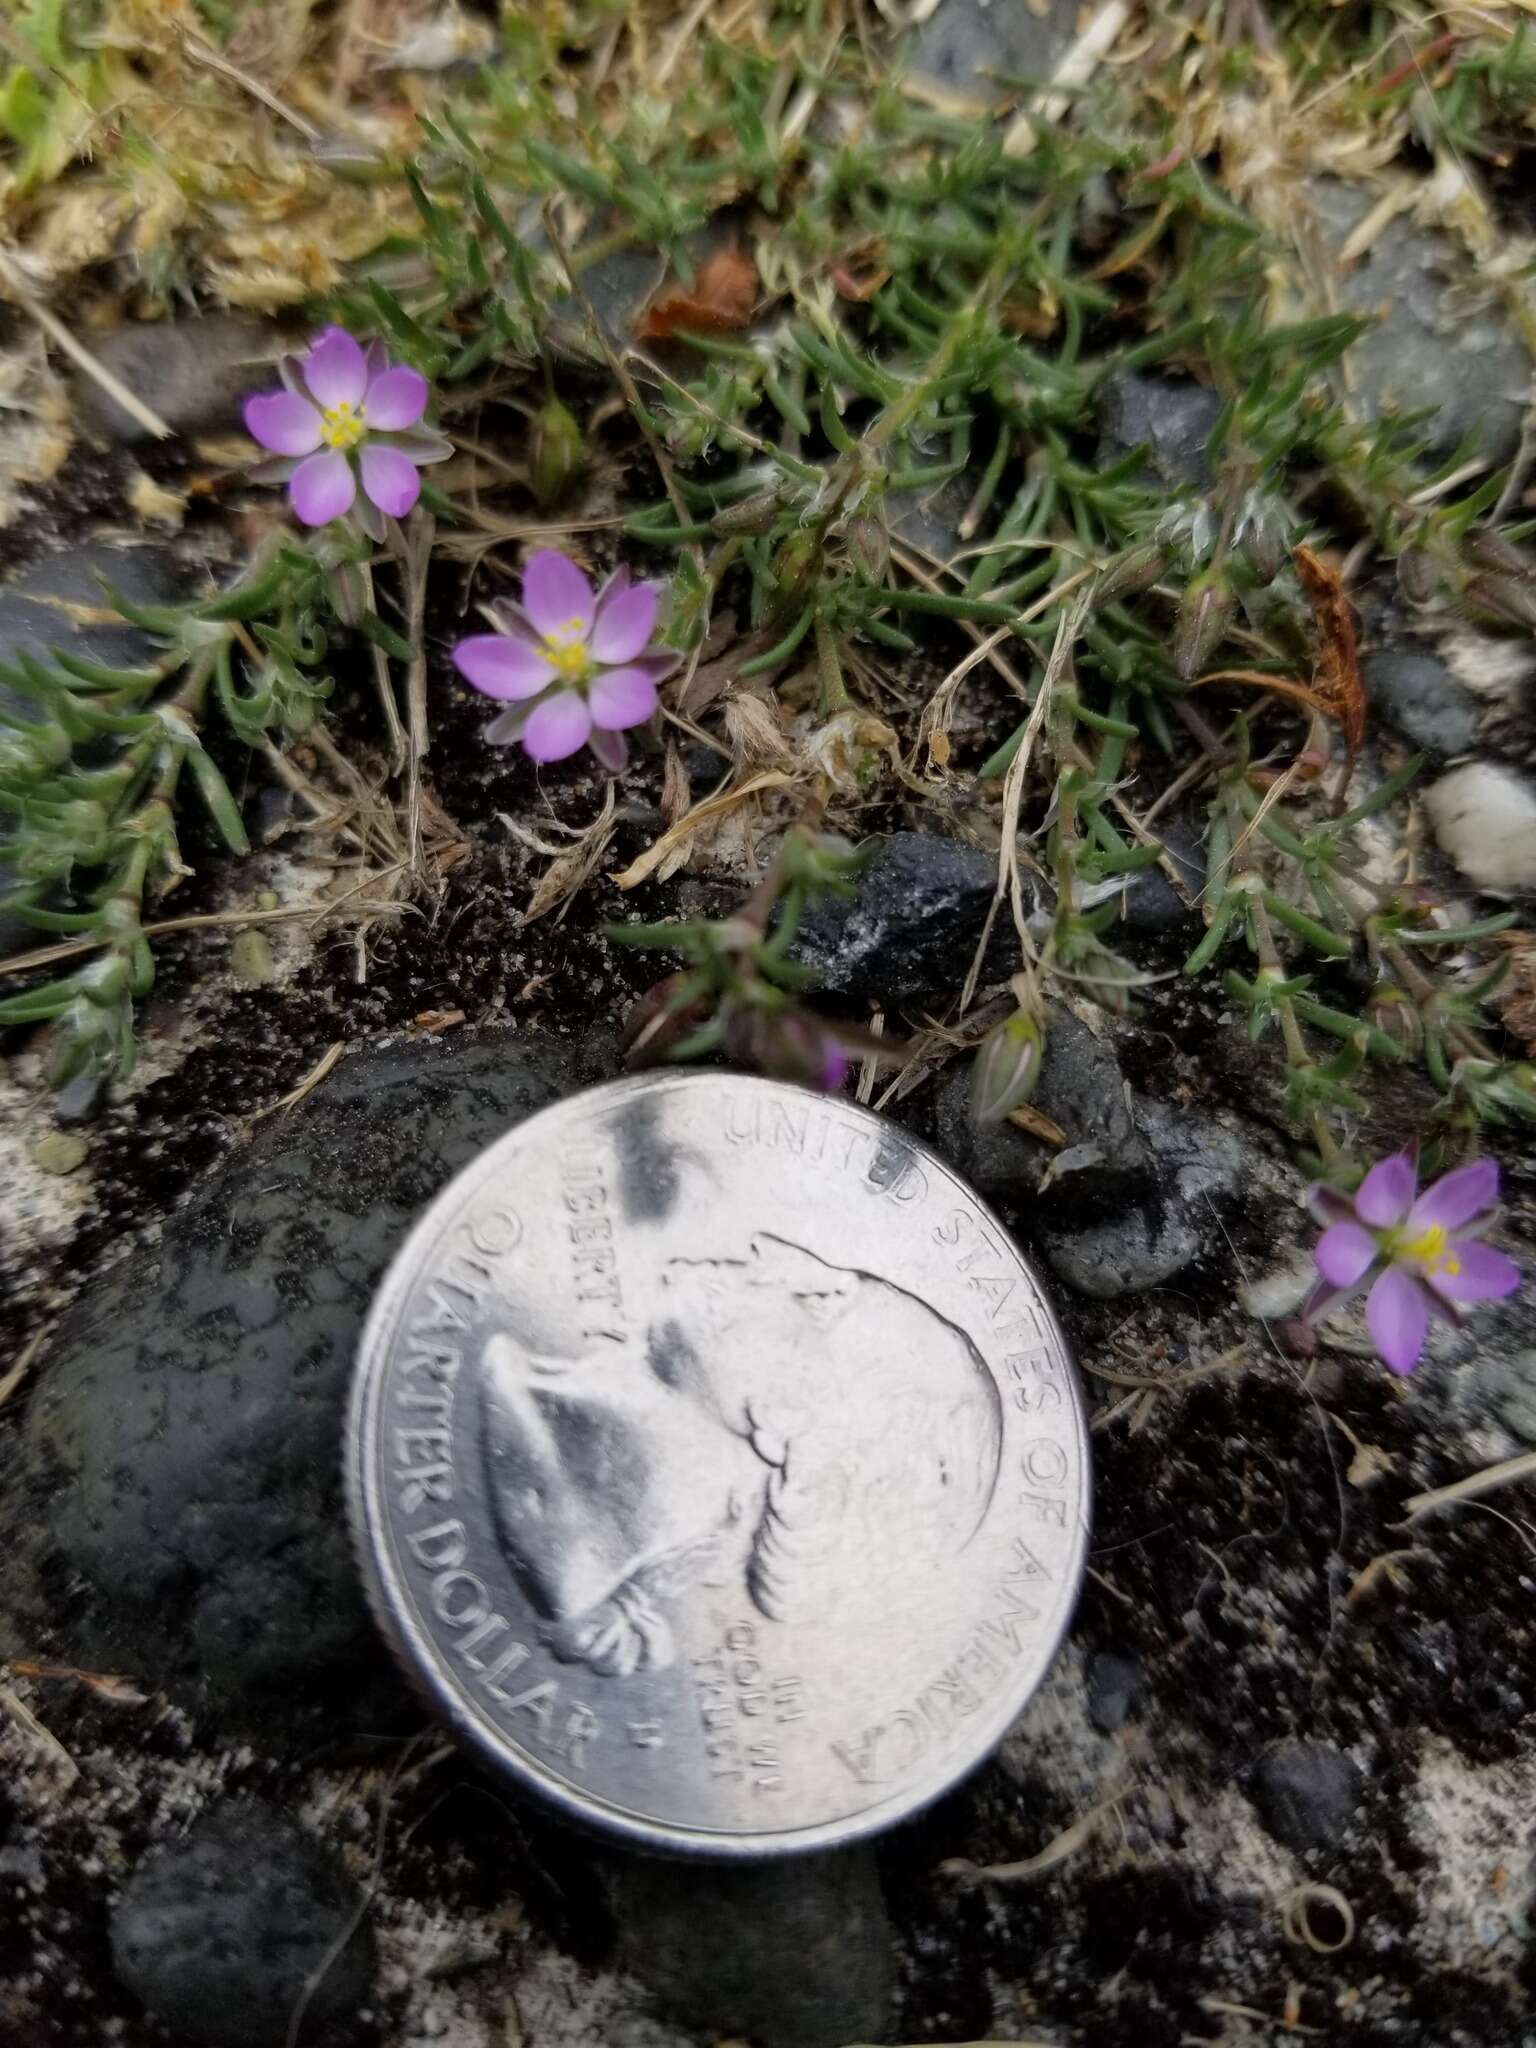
[[1485, 819]]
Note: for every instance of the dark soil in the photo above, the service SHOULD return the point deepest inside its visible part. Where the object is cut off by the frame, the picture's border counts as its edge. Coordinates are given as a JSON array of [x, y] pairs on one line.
[[1227, 1544]]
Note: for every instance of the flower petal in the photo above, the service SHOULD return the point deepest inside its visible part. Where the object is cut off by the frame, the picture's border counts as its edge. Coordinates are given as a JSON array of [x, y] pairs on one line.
[[621, 697], [280, 421], [336, 370], [1328, 1205], [507, 726], [396, 399], [390, 478], [555, 592], [557, 726], [622, 626], [1398, 1316], [1455, 1198], [1385, 1195], [499, 666], [1345, 1254], [1322, 1301], [611, 750], [323, 488], [421, 444], [368, 517], [1484, 1275]]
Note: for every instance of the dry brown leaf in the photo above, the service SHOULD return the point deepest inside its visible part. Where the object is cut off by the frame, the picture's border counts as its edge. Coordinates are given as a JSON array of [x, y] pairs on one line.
[[757, 739], [1336, 689], [723, 295], [676, 795], [107, 1685], [645, 865], [437, 1020], [568, 871]]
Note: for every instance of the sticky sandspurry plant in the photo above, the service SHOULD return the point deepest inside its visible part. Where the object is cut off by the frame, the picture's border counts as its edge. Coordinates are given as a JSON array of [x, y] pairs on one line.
[[96, 766], [739, 993]]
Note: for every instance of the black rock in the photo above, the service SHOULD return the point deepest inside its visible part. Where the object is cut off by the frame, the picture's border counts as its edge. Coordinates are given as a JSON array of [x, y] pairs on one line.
[[192, 372], [1438, 342], [36, 614], [1149, 902], [218, 1934], [1196, 1166], [797, 1954], [1083, 1092], [972, 52], [1306, 1793], [913, 926], [1173, 416], [1423, 700], [194, 1397], [1113, 1682]]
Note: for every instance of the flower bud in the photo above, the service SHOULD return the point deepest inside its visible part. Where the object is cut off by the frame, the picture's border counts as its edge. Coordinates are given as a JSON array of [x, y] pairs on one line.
[[788, 1045], [1263, 547], [1485, 548], [1503, 597], [1006, 1067], [1137, 569], [661, 1019], [556, 452], [869, 547], [748, 515], [1201, 624], [1418, 575]]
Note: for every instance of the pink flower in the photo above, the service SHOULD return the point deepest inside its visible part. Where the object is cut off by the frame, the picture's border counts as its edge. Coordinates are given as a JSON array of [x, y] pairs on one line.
[[577, 663], [347, 429], [1425, 1254]]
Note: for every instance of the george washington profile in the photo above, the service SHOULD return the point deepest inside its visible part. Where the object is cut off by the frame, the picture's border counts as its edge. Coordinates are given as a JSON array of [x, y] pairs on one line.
[[812, 1435]]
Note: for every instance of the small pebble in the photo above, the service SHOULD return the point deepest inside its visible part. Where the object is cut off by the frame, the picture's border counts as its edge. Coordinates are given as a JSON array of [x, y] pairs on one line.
[[1306, 1793], [60, 1152], [250, 960]]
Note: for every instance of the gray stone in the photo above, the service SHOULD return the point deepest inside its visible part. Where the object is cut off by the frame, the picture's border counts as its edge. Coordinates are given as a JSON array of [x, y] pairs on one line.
[[1113, 1681], [1198, 1165], [192, 372], [1484, 1374], [1149, 902], [193, 1399], [930, 519], [1082, 1091], [1144, 1247], [38, 608], [912, 926], [218, 1934], [1440, 341], [617, 287], [1423, 700], [967, 51], [1172, 416], [797, 1954], [1305, 1793]]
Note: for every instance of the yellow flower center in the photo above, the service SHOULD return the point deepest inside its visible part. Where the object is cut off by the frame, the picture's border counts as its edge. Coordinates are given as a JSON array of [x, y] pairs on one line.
[[1429, 1250], [341, 426], [565, 649]]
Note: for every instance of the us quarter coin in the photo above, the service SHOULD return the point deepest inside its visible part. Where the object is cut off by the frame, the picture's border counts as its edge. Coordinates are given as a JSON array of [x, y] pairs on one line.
[[718, 1466]]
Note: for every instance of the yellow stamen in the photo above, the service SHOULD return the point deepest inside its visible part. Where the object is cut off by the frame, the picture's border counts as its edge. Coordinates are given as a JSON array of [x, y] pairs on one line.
[[1429, 1250], [565, 649], [341, 426]]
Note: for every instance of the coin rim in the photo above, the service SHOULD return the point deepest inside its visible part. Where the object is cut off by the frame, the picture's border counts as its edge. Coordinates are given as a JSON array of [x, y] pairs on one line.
[[392, 1606]]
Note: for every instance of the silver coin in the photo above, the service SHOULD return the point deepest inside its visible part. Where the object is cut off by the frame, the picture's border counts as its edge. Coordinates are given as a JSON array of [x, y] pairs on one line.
[[718, 1466]]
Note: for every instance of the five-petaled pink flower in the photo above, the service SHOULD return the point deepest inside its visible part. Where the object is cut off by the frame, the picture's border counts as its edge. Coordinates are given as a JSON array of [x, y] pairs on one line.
[[1423, 1255], [576, 663], [347, 427]]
